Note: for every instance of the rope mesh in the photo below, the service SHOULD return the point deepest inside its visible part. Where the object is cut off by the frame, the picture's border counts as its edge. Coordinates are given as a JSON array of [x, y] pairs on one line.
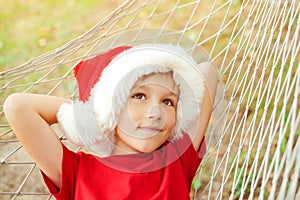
[[254, 146]]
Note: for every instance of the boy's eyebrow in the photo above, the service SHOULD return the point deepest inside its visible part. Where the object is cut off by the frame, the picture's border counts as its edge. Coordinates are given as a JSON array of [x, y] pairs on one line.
[[145, 87], [174, 94]]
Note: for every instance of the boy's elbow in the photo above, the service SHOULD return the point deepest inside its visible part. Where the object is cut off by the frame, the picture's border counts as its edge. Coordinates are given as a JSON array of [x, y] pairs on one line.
[[210, 75], [13, 104]]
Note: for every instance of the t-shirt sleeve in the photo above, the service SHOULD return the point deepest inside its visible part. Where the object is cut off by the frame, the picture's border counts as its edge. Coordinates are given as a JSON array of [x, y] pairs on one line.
[[190, 157], [202, 148], [69, 173]]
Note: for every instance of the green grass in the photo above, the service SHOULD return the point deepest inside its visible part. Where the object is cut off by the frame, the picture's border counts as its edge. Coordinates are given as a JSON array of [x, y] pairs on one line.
[[29, 28]]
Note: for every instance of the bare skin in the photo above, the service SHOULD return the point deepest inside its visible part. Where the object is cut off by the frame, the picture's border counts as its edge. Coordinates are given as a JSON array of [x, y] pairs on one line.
[[30, 117], [148, 117]]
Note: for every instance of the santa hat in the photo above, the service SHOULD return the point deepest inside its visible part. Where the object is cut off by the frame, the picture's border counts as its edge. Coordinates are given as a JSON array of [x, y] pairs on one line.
[[105, 82]]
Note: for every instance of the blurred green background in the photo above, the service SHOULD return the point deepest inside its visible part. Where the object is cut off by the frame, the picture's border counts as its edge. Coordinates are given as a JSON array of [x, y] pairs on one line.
[[29, 28]]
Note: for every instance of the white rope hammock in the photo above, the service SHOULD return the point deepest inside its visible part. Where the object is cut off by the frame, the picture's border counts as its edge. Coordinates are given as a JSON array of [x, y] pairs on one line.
[[254, 147]]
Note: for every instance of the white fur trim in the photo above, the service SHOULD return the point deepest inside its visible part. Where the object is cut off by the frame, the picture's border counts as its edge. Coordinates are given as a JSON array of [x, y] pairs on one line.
[[142, 60]]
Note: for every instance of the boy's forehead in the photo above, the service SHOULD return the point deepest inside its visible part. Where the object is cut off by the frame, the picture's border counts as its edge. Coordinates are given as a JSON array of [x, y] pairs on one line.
[[162, 79]]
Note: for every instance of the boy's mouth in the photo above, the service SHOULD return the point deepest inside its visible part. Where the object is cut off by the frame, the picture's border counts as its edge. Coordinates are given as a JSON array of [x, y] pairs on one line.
[[150, 128], [148, 131]]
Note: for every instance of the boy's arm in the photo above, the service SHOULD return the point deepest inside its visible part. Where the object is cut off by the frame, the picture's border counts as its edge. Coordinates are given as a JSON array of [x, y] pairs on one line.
[[198, 129], [29, 116]]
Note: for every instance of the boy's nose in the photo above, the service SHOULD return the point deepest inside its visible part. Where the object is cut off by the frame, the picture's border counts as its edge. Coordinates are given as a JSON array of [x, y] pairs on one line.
[[155, 112]]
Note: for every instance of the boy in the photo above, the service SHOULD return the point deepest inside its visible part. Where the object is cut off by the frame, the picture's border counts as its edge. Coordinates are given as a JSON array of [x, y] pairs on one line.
[[141, 115]]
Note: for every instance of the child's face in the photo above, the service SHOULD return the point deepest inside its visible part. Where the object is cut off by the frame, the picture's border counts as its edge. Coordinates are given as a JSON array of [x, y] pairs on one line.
[[149, 115]]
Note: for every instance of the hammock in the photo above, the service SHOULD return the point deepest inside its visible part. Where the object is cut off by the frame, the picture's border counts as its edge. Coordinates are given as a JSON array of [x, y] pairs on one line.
[[254, 146]]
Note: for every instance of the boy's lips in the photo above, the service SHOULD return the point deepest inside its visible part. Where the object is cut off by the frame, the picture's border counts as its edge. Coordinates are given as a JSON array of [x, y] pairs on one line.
[[148, 131]]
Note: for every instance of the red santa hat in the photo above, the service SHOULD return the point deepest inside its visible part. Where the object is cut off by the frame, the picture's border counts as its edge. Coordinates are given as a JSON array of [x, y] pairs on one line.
[[105, 82]]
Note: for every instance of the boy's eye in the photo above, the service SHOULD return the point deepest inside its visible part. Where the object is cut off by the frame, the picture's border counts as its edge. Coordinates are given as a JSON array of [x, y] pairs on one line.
[[138, 96], [168, 102]]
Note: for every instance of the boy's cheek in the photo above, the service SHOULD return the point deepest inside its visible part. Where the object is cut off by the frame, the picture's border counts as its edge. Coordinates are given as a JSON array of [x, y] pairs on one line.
[[135, 112]]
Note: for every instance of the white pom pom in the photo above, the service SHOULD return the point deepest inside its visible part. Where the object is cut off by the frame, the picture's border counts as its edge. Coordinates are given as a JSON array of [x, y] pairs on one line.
[[81, 128], [65, 117]]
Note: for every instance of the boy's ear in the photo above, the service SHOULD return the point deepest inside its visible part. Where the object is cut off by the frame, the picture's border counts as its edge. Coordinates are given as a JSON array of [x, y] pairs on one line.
[[88, 72]]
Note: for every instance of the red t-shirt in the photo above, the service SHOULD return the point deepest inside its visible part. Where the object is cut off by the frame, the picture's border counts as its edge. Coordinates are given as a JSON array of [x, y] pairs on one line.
[[166, 173]]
